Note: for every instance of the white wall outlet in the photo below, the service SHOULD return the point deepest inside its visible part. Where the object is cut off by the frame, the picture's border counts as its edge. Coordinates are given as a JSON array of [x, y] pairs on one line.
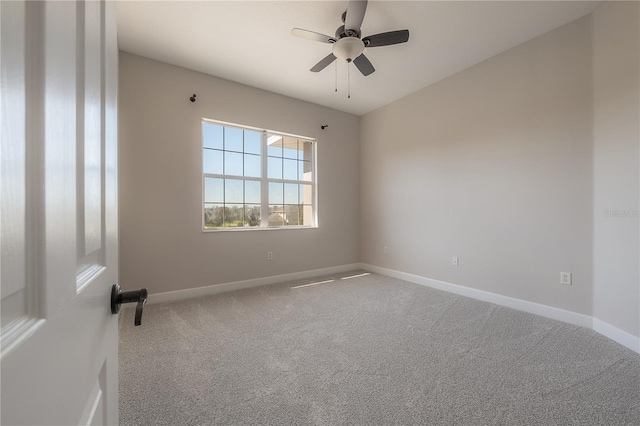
[[565, 278], [269, 255], [385, 249], [454, 261]]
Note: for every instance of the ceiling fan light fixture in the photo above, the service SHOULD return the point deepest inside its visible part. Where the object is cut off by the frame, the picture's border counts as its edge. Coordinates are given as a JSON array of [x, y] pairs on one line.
[[348, 48]]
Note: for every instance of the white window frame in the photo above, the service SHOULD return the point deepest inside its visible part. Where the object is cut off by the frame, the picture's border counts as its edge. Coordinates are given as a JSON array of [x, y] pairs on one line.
[[263, 179]]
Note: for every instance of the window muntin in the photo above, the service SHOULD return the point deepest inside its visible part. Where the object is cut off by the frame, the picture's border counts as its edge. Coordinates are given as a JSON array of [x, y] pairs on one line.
[[256, 178]]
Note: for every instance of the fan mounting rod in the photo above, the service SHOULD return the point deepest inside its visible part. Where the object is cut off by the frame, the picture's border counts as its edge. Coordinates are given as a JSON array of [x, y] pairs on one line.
[[348, 48]]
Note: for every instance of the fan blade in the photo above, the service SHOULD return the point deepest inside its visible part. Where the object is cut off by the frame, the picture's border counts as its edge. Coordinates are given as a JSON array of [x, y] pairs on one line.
[[386, 39], [363, 64], [355, 14], [323, 63], [310, 35]]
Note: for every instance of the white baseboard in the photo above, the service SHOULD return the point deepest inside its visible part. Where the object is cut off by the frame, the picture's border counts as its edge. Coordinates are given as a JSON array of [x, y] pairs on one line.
[[238, 285], [622, 337], [625, 339]]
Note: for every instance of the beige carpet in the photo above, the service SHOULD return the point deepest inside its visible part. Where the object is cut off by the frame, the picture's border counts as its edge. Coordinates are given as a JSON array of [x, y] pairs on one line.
[[370, 350]]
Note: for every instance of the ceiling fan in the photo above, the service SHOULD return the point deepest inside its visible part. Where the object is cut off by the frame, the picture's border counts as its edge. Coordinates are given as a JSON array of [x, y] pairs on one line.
[[347, 44]]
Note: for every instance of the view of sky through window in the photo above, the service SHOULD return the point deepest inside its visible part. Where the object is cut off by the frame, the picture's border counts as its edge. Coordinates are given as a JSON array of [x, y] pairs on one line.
[[233, 178]]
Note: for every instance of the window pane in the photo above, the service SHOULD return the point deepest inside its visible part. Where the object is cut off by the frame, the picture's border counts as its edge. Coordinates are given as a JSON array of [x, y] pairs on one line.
[[252, 192], [252, 215], [211, 136], [307, 216], [252, 165], [233, 191], [291, 216], [232, 139], [252, 141], [213, 215], [276, 193], [306, 149], [276, 216], [234, 199], [290, 148], [233, 215], [291, 191], [306, 194], [306, 173], [274, 168], [212, 161], [233, 164], [213, 190], [274, 145], [290, 169]]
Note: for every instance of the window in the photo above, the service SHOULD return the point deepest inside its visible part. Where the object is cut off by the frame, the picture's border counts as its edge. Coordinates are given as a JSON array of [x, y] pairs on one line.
[[254, 178]]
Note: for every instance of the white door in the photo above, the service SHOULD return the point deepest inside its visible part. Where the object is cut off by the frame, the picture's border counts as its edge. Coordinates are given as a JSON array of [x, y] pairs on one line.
[[59, 205]]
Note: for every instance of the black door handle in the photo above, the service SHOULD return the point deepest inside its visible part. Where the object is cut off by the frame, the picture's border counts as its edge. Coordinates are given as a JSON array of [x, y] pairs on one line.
[[136, 296]]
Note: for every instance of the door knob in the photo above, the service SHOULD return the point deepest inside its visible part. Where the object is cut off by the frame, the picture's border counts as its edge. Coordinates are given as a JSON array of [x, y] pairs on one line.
[[136, 296]]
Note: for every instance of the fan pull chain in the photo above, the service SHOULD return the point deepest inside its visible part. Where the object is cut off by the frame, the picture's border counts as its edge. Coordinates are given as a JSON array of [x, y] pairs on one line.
[[349, 80], [336, 67]]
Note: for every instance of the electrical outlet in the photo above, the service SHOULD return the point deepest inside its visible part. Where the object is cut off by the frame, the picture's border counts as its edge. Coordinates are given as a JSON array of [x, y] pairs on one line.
[[269, 255], [454, 261], [565, 278], [385, 250]]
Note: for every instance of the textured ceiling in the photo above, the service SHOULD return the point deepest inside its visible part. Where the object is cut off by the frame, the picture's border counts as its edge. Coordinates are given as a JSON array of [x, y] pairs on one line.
[[249, 42]]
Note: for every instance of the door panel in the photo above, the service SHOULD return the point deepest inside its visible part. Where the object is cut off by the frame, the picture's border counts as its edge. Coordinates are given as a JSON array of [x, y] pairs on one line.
[[92, 159], [59, 85], [13, 168]]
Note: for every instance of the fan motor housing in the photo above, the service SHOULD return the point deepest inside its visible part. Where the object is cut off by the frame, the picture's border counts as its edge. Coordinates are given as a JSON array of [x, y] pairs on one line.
[[341, 32]]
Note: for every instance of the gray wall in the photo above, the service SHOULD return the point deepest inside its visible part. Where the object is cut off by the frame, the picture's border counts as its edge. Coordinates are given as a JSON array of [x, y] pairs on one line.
[[162, 245], [493, 165], [511, 165], [616, 99]]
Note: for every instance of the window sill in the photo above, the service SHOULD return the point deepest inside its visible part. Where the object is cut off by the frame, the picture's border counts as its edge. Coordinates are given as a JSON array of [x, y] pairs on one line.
[[243, 229]]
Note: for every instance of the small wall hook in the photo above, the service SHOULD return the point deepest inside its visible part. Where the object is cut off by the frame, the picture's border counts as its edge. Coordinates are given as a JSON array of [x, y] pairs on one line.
[[193, 98], [324, 126]]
